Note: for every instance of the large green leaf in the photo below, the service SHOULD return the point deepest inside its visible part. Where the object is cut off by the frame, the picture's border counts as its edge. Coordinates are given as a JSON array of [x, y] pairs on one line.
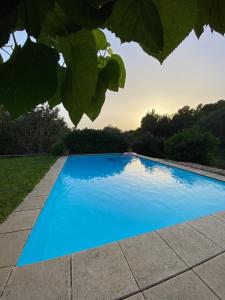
[[111, 74], [178, 19], [98, 3], [28, 78], [56, 99], [122, 78], [57, 23], [32, 14], [100, 39], [98, 100], [79, 51], [8, 20], [84, 14], [108, 78], [212, 13], [69, 98], [138, 21]]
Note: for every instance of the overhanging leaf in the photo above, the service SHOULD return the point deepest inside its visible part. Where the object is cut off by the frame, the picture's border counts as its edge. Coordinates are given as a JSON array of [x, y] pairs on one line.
[[212, 13], [84, 14], [178, 19], [122, 77], [69, 98], [98, 100], [32, 14], [108, 78], [98, 3], [56, 99], [28, 78], [100, 39], [138, 21], [8, 20], [79, 51], [57, 23]]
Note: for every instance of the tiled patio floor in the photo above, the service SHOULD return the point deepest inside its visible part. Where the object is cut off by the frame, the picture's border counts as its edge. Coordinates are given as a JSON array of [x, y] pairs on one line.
[[186, 261]]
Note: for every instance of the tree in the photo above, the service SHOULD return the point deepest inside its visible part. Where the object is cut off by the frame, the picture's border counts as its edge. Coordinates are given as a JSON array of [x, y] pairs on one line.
[[71, 29], [96, 141], [158, 125], [148, 144], [184, 118], [34, 132], [214, 122], [191, 145]]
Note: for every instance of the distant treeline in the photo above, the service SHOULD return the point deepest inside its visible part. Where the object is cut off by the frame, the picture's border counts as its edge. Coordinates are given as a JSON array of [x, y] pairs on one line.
[[192, 134]]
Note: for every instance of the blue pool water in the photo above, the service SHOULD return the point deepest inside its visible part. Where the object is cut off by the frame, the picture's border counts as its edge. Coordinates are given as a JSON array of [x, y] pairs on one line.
[[99, 199]]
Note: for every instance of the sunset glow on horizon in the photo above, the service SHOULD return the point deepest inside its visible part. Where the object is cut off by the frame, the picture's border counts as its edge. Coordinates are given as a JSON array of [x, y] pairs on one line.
[[192, 74]]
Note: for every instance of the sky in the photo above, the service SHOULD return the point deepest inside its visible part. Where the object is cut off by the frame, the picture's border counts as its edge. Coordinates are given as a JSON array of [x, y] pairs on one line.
[[194, 73]]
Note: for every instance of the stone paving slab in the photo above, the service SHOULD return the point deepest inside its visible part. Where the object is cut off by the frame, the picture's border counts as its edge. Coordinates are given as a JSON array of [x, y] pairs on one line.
[[189, 244], [20, 221], [45, 184], [101, 274], [11, 245], [4, 275], [212, 273], [186, 286], [212, 228], [138, 296], [48, 280], [40, 192], [150, 259], [220, 216], [186, 166], [29, 202]]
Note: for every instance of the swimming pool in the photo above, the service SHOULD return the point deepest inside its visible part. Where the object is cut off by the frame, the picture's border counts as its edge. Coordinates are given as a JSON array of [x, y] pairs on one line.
[[98, 199]]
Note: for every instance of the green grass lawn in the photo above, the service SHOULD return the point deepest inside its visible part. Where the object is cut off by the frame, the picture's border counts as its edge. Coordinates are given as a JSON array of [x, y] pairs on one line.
[[18, 176]]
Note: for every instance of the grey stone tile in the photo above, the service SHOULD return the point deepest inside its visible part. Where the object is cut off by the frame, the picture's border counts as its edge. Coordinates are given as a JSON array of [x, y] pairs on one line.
[[45, 185], [191, 245], [39, 192], [213, 273], [50, 176], [20, 220], [186, 286], [32, 203], [101, 274], [48, 280], [150, 259], [138, 296], [211, 227], [4, 275], [221, 216], [11, 245]]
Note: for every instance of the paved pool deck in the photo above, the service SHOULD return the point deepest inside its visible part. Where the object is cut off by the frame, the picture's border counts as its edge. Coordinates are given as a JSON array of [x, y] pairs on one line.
[[186, 261]]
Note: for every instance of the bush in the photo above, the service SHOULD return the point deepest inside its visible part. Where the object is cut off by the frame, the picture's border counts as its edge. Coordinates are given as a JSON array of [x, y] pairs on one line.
[[34, 132], [148, 144], [59, 147], [96, 141], [192, 145]]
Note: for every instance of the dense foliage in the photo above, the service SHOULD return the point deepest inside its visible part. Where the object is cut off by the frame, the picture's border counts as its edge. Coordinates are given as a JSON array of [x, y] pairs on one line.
[[96, 141], [191, 134], [72, 30], [34, 132], [192, 145], [188, 135]]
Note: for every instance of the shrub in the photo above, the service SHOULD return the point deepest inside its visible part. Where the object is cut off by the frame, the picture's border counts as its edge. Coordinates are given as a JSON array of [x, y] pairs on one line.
[[148, 144], [59, 147], [95, 141], [192, 145], [34, 132]]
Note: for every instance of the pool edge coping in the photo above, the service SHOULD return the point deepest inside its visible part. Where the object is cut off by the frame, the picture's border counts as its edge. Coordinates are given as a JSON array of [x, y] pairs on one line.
[[56, 169]]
